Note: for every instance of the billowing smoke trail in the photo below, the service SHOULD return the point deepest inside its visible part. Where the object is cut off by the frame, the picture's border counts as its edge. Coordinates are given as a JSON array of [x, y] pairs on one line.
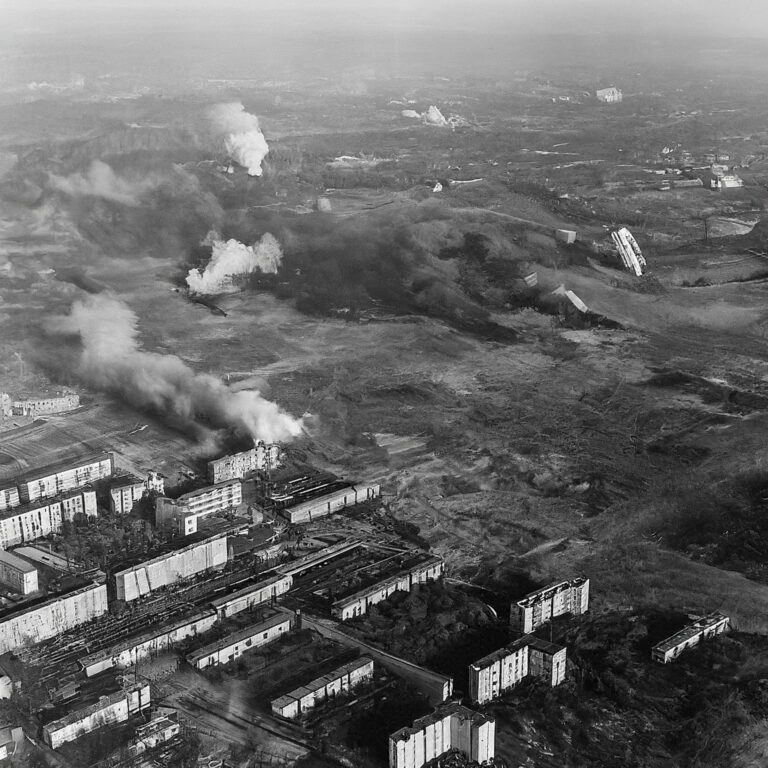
[[244, 139], [102, 181], [112, 361], [230, 258]]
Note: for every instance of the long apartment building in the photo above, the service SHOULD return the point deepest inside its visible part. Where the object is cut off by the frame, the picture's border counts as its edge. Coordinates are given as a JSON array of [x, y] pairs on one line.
[[449, 727], [301, 700], [44, 405], [17, 574], [108, 710], [44, 517], [234, 645], [249, 597], [305, 499], [539, 607], [54, 479], [701, 629], [183, 514], [426, 568], [239, 465], [502, 670]]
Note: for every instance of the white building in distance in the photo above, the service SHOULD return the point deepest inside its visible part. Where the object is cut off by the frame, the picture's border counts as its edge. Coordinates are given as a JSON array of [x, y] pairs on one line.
[[610, 95], [238, 465], [701, 629], [539, 607]]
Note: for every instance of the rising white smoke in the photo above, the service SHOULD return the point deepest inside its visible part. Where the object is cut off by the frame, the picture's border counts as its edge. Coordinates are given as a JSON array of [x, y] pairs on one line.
[[101, 181], [243, 137], [230, 258], [112, 361]]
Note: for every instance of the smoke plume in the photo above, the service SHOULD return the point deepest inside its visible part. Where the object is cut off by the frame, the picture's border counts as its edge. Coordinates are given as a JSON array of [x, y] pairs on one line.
[[230, 258], [112, 361], [102, 181], [244, 139]]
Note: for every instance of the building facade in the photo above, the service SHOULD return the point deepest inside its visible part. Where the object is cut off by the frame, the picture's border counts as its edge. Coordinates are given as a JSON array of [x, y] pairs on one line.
[[124, 492], [9, 498], [45, 405], [116, 708], [449, 727], [429, 568], [42, 518], [55, 479], [341, 680], [539, 607], [17, 574], [263, 592], [233, 646], [701, 629], [502, 670], [296, 510], [237, 466]]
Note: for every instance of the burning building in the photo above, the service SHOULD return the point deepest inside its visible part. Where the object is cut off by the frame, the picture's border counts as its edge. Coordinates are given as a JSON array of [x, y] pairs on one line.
[[261, 457]]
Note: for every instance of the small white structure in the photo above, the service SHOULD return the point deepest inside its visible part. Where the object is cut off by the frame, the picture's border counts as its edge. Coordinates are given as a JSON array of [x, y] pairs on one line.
[[17, 574], [450, 726], [701, 629], [341, 680], [610, 95], [631, 256]]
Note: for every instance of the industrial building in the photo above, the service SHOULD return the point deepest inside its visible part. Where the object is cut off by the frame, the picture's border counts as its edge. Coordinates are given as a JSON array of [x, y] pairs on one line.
[[145, 577], [501, 670], [108, 710], [42, 518], [449, 727], [47, 617], [701, 629], [182, 514], [9, 498], [124, 492], [239, 465], [610, 95], [341, 680], [17, 574], [544, 604], [157, 731], [233, 646], [306, 498], [42, 406], [131, 651], [57, 478], [426, 568], [246, 598]]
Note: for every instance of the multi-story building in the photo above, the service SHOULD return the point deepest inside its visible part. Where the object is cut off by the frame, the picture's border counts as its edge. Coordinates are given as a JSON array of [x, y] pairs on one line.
[[610, 95], [449, 727], [183, 514], [124, 492], [544, 604], [6, 405], [9, 497], [116, 708], [233, 646], [303, 500], [265, 591], [341, 680], [44, 517], [701, 629], [155, 482], [239, 465], [41, 406], [425, 568], [57, 478], [17, 574], [502, 670]]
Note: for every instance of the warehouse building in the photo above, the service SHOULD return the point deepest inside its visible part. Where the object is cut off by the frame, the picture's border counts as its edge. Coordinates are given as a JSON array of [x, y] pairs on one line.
[[17, 574], [233, 646], [341, 680], [45, 405], [57, 478], [145, 577], [9, 498], [305, 499], [539, 607], [239, 465], [426, 568], [701, 629], [501, 670], [132, 650], [124, 492], [449, 727], [44, 517], [244, 599], [117, 708], [159, 730], [44, 618]]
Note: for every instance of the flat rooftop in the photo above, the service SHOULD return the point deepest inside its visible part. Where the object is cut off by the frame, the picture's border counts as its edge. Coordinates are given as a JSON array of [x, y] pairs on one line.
[[30, 506], [13, 561], [177, 545], [37, 602], [686, 633], [293, 498], [321, 682], [532, 597], [207, 489], [242, 634], [123, 481], [527, 641], [62, 466], [440, 713]]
